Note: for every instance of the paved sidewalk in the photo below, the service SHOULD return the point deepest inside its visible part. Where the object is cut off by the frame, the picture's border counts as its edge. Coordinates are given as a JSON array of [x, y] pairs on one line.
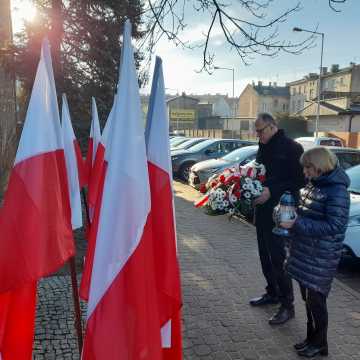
[[220, 273]]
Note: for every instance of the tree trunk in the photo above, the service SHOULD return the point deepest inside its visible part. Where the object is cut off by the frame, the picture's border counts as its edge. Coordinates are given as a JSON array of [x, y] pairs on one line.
[[56, 36], [8, 139]]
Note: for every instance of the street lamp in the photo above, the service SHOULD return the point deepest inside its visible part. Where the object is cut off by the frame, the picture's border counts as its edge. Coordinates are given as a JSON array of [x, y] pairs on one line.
[[297, 29], [233, 94]]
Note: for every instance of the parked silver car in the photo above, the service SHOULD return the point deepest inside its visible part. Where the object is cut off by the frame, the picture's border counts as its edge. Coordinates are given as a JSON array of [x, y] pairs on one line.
[[308, 142], [348, 157], [201, 171], [352, 235], [183, 160]]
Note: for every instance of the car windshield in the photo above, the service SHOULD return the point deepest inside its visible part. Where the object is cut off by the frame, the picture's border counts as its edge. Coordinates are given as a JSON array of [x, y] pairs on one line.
[[188, 144], [239, 155], [175, 138], [202, 145], [179, 141], [354, 175]]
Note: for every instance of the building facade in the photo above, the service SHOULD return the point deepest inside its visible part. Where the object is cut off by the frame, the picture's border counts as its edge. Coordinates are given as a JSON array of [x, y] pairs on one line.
[[339, 87], [263, 98], [339, 102], [183, 112]]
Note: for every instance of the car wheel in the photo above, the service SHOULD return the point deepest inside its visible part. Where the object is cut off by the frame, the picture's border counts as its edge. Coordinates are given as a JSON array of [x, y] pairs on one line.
[[185, 171]]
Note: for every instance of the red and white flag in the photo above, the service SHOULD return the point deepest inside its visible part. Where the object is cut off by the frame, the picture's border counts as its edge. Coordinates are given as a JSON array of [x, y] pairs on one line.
[[74, 164], [94, 139], [122, 317], [95, 191], [35, 222], [163, 219]]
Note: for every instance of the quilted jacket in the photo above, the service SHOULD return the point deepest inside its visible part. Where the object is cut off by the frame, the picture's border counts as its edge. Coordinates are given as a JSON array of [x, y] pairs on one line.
[[319, 231]]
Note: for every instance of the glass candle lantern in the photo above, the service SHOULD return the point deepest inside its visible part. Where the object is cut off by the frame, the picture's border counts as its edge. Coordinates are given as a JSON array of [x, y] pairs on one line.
[[284, 212]]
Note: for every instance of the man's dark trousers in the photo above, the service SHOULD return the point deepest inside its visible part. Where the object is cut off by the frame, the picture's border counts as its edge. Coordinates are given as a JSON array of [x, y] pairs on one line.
[[272, 257]]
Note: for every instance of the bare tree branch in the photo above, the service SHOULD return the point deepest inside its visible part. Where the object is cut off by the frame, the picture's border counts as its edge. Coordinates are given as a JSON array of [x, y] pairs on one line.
[[252, 33]]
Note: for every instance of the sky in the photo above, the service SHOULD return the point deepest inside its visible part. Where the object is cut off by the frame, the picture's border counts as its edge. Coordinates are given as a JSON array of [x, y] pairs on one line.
[[181, 66]]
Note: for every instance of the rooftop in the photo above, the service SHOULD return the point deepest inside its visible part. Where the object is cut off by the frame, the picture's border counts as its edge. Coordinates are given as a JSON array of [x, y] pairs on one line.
[[271, 90]]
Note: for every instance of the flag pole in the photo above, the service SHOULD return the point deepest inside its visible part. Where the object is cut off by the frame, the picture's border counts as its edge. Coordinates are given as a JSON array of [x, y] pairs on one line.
[[86, 206], [77, 311]]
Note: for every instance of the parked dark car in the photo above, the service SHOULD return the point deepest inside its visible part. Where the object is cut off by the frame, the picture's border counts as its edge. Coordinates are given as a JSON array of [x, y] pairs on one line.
[[201, 171], [183, 160], [188, 144]]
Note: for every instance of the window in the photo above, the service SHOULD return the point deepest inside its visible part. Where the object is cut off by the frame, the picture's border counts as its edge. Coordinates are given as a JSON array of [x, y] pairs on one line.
[[213, 148], [331, 142], [284, 107], [264, 107], [229, 146], [348, 160], [276, 103]]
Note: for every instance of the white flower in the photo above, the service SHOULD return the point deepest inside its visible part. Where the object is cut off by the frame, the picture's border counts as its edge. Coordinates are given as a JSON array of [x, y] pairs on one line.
[[232, 198], [247, 180], [219, 196], [232, 211], [226, 203], [262, 169], [247, 195], [212, 196], [246, 186]]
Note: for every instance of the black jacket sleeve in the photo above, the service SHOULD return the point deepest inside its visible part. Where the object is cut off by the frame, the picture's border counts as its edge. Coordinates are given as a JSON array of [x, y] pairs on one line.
[[292, 178]]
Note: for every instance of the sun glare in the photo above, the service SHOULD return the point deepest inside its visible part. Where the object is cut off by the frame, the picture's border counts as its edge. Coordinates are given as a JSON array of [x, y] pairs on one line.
[[24, 11]]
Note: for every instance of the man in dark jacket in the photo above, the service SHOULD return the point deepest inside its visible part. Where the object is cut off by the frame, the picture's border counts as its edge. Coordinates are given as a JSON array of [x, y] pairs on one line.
[[281, 157]]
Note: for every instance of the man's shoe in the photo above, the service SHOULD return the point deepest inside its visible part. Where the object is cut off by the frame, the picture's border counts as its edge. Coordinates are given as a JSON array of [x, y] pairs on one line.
[[302, 345], [282, 316], [266, 299], [312, 350]]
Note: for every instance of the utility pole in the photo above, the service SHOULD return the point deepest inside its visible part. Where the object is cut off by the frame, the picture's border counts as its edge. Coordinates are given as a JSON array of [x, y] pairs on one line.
[[7, 95]]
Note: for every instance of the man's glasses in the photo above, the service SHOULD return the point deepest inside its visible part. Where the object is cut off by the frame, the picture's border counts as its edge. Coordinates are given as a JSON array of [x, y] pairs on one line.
[[260, 131]]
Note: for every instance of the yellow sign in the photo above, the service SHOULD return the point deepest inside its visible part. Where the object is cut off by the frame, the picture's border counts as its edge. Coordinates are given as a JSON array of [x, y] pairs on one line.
[[182, 114]]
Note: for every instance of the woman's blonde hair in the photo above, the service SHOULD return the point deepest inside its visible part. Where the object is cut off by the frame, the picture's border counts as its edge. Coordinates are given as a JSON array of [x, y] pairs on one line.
[[320, 158]]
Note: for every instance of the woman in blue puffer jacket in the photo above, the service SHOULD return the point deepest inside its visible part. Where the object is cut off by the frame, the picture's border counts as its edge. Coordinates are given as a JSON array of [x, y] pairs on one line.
[[318, 233]]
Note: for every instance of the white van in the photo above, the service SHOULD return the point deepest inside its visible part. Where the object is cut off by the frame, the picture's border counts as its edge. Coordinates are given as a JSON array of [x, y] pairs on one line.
[[309, 142]]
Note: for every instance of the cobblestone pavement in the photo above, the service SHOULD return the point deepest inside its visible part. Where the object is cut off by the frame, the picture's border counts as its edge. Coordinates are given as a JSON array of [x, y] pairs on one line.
[[220, 273]]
